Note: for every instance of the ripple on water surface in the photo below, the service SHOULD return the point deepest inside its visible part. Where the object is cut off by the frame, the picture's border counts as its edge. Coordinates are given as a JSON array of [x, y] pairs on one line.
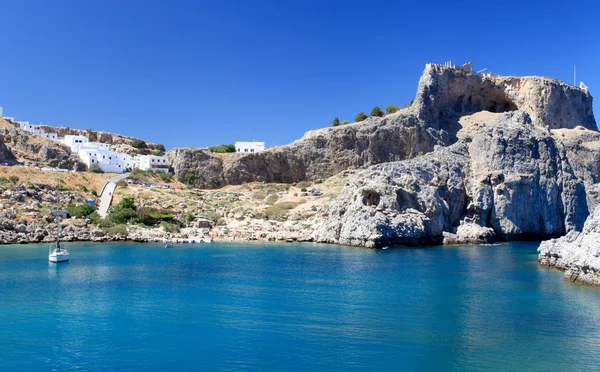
[[292, 307]]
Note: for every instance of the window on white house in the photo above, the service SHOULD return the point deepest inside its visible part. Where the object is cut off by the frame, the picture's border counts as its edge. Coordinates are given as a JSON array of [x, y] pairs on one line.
[[245, 150], [251, 150]]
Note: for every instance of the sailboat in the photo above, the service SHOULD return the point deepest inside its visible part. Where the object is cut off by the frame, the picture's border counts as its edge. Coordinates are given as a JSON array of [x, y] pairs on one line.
[[57, 253]]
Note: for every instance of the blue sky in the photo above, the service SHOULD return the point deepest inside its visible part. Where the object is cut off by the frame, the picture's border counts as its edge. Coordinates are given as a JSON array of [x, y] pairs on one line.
[[198, 73]]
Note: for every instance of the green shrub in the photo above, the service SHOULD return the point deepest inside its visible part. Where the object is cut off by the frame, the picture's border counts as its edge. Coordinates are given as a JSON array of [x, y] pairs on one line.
[[13, 179], [164, 176], [168, 227], [336, 121], [272, 199], [222, 148], [158, 153], [122, 212], [81, 210], [117, 229], [279, 211], [259, 195], [303, 184], [2, 180], [82, 187], [94, 218], [122, 184], [360, 117], [390, 109], [139, 144], [160, 147], [95, 168], [377, 111], [345, 122], [95, 193]]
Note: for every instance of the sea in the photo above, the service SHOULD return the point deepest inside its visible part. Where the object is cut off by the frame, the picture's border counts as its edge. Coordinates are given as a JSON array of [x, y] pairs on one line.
[[292, 307]]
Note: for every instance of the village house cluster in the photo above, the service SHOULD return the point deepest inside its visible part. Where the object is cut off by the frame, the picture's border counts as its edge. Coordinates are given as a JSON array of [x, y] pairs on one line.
[[96, 153]]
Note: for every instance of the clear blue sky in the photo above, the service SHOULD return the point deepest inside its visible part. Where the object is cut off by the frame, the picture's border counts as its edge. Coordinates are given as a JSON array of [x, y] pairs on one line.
[[195, 73]]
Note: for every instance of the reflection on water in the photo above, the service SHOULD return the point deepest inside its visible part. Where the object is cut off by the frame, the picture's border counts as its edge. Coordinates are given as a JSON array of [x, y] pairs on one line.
[[292, 307]]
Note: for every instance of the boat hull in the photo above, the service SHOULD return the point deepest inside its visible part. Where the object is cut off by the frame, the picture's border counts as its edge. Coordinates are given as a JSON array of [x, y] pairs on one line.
[[56, 258]]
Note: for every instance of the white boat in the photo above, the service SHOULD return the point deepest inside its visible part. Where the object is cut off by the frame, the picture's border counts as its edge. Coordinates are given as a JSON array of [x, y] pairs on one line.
[[57, 253]]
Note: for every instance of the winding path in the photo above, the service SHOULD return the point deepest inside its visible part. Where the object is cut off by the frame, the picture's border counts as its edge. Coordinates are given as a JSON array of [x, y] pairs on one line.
[[107, 194]]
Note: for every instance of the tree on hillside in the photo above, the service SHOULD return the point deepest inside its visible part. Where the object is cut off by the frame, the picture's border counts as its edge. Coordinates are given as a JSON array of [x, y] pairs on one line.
[[222, 148], [139, 144], [390, 109], [360, 117], [336, 121], [160, 147], [377, 111], [344, 122]]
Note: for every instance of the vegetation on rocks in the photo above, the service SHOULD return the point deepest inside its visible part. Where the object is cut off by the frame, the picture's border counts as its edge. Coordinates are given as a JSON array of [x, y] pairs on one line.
[[139, 144], [390, 109], [95, 168], [360, 117], [336, 122], [222, 148], [377, 111]]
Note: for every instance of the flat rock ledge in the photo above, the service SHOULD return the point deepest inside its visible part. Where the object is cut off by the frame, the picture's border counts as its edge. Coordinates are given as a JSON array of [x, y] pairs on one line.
[[577, 253]]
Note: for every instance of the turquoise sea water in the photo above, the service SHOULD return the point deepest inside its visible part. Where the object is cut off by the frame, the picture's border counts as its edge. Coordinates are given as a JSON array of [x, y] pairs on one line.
[[292, 307]]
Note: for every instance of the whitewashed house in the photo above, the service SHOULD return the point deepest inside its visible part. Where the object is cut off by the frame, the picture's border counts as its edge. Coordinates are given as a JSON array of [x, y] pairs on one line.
[[94, 153], [74, 142], [36, 129], [151, 162], [249, 146]]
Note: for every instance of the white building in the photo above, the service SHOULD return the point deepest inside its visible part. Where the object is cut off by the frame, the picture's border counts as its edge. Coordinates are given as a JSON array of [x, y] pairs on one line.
[[151, 162], [94, 153], [249, 146], [74, 142], [36, 129]]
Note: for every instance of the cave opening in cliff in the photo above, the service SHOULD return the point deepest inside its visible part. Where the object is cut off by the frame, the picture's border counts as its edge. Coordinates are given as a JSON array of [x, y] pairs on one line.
[[481, 101], [371, 198]]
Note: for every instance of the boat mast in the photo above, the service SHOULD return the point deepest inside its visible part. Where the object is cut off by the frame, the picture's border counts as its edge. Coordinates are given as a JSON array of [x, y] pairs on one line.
[[57, 232]]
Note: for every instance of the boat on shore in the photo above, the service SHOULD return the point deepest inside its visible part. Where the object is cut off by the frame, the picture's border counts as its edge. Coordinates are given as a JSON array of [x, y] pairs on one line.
[[56, 252]]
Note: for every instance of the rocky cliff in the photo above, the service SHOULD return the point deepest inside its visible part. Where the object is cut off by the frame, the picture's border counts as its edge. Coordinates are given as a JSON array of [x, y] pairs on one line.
[[27, 147], [443, 96], [577, 253], [512, 179]]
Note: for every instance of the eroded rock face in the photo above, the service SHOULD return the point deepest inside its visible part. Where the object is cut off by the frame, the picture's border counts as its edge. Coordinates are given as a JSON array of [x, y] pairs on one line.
[[577, 253], [443, 96], [513, 180], [5, 154], [444, 92]]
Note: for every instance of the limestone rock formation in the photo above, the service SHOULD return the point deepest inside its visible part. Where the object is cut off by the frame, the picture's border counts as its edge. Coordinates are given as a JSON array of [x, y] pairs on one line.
[[511, 180], [577, 253], [5, 154], [27, 146], [443, 96]]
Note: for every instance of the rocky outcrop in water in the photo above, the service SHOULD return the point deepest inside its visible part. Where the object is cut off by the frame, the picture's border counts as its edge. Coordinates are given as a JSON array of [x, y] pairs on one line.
[[443, 96], [511, 180], [577, 253]]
